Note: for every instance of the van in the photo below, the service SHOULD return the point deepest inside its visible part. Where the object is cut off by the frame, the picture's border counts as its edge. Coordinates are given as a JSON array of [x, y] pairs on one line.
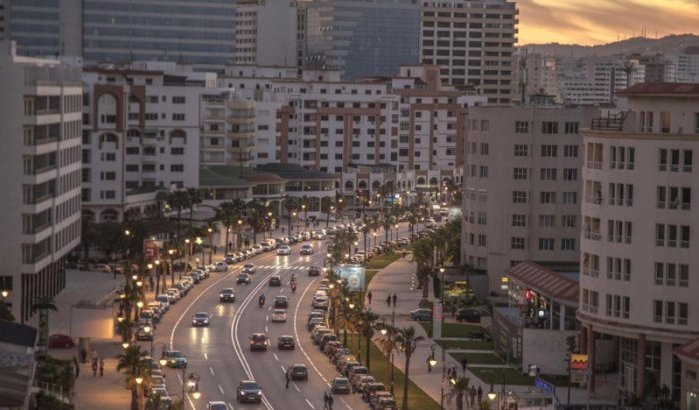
[[164, 300]]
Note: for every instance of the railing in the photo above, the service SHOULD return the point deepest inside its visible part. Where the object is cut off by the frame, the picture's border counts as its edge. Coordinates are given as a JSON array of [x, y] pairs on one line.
[[615, 123]]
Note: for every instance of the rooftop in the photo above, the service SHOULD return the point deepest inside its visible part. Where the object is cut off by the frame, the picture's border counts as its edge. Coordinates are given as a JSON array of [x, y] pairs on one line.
[[294, 172], [662, 89], [545, 281], [222, 176]]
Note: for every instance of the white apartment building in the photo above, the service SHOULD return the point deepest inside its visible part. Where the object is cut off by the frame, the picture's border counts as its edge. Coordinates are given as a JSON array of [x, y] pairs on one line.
[[472, 42], [597, 81], [141, 132], [522, 187], [266, 32], [41, 171], [687, 66], [638, 242], [228, 129], [535, 74]]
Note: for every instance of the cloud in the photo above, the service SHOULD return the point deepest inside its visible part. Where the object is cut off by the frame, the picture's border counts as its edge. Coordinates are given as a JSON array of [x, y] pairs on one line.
[[602, 21]]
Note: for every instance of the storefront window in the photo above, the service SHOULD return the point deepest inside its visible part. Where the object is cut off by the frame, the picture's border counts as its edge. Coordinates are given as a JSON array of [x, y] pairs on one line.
[[627, 360]]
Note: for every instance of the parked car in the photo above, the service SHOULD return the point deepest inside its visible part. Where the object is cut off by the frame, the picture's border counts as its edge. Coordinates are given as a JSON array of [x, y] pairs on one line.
[[371, 389], [421, 314], [221, 267], [472, 315], [60, 340], [340, 385]]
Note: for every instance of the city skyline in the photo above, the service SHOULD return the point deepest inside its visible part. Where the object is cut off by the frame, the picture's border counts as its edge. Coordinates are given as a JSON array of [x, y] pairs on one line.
[[603, 21]]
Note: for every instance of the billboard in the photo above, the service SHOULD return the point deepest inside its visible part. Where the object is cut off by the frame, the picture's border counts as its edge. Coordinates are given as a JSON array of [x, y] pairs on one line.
[[578, 362], [354, 275]]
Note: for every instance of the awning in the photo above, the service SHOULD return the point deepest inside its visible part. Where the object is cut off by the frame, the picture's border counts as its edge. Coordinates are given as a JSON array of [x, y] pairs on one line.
[[548, 283]]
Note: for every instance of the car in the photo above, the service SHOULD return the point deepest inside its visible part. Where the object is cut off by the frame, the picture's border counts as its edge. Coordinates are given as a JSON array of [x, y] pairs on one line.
[[357, 370], [284, 250], [318, 235], [164, 300], [243, 278], [279, 315], [374, 399], [429, 222], [175, 359], [313, 322], [200, 319], [221, 267], [472, 315], [306, 249], [217, 405], [340, 385], [226, 295], [160, 394], [385, 403], [266, 247], [60, 340], [101, 267], [297, 372], [361, 380], [248, 391], [328, 337], [249, 268], [320, 302], [230, 259], [281, 302], [259, 341], [144, 333], [318, 334], [275, 280], [314, 271], [421, 314], [257, 249], [370, 389], [331, 347], [286, 342]]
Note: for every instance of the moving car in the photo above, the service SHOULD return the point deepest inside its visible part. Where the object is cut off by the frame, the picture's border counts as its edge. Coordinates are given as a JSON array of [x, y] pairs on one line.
[[275, 280], [243, 278], [279, 315], [306, 249], [249, 268], [284, 250], [144, 333], [297, 372], [248, 390], [259, 341], [175, 359], [314, 271], [286, 342], [340, 385], [227, 295], [281, 302], [200, 319], [59, 340], [421, 314], [221, 267], [217, 405]]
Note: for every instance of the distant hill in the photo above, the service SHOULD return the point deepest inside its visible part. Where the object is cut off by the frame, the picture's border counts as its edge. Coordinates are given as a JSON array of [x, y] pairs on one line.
[[672, 44]]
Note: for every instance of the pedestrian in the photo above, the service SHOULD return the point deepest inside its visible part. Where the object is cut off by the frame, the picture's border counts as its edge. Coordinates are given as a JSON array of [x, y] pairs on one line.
[[394, 297], [94, 369], [77, 367], [83, 355], [287, 379], [472, 394], [480, 395], [405, 253], [388, 300], [429, 366], [453, 311], [101, 367], [368, 296], [325, 400], [94, 356], [215, 249], [330, 401]]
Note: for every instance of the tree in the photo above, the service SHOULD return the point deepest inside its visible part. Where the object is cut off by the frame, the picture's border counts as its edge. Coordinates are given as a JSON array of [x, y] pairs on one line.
[[88, 236], [328, 205], [133, 363], [178, 200], [422, 255], [193, 198], [460, 387], [386, 224], [291, 204], [42, 305], [388, 344], [344, 239], [255, 217], [407, 342], [228, 213], [366, 228], [367, 319]]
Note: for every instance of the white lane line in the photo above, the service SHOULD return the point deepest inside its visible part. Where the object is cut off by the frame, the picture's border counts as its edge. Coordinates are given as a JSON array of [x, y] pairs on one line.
[[230, 406], [221, 389], [266, 329], [309, 403], [211, 369], [267, 318], [275, 356], [269, 308], [296, 333], [206, 356], [283, 369], [296, 387], [345, 403], [281, 290]]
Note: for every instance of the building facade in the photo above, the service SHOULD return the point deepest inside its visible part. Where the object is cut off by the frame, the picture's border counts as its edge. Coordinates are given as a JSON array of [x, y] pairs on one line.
[[522, 187], [473, 43], [362, 38], [638, 249], [41, 168], [266, 32]]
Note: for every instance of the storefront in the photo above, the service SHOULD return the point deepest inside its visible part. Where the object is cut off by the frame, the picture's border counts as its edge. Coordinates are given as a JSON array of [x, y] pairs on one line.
[[688, 354]]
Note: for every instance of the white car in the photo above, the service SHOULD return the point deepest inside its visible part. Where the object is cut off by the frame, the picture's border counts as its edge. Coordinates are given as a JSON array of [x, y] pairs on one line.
[[284, 250], [279, 315], [320, 302], [221, 267]]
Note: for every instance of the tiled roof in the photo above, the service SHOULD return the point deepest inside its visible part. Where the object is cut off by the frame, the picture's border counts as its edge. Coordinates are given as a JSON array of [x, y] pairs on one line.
[[689, 350], [680, 89], [545, 281]]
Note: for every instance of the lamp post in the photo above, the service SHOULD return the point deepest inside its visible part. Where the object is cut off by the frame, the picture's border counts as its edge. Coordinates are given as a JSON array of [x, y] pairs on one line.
[[211, 247], [269, 225], [163, 348], [171, 252], [188, 250], [297, 221]]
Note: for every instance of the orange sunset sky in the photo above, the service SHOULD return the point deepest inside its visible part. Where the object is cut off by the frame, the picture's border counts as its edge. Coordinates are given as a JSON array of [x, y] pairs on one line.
[[591, 22]]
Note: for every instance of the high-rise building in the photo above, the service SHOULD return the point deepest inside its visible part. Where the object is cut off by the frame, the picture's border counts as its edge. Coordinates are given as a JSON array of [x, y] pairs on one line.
[[228, 130], [40, 164], [266, 32], [522, 187], [362, 38], [638, 240], [535, 75], [472, 42]]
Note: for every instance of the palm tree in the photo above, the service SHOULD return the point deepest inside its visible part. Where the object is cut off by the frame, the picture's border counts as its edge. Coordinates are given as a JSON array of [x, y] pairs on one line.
[[178, 200], [133, 363], [228, 213], [193, 198], [366, 228], [388, 345], [422, 255], [42, 305], [367, 319], [386, 224], [291, 204], [304, 206], [460, 387], [407, 341], [255, 217], [327, 204]]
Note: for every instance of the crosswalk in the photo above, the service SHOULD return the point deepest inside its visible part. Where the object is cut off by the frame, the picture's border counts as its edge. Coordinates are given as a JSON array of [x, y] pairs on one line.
[[286, 267]]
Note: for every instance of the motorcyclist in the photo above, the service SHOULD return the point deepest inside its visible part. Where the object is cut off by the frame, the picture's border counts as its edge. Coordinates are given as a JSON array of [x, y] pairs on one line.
[[261, 300], [293, 287]]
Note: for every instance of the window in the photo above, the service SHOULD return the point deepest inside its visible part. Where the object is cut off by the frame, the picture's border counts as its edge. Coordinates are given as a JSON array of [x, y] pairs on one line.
[[570, 174], [521, 127], [622, 157], [618, 231], [572, 127], [570, 197], [568, 221], [548, 174], [549, 127], [519, 220], [546, 244], [482, 240], [671, 274], [664, 122], [568, 244], [590, 264], [674, 197], [549, 150], [519, 197], [621, 194], [619, 268], [520, 174], [177, 116], [485, 125], [178, 99], [132, 150], [547, 197], [484, 171], [132, 168], [518, 243], [678, 160], [177, 151], [696, 122], [484, 148], [482, 218], [176, 168], [521, 150], [590, 300], [672, 235], [547, 221], [646, 121], [570, 151]]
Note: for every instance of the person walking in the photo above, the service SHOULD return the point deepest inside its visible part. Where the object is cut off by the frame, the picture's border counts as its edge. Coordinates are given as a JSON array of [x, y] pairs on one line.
[[101, 367], [94, 369], [330, 401], [480, 395], [325, 400], [368, 296], [472, 396], [93, 355], [77, 367], [388, 300], [287, 379], [394, 297], [83, 355]]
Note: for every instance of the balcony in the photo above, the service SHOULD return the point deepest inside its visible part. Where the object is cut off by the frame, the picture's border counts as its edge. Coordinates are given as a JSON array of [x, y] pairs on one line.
[[610, 123]]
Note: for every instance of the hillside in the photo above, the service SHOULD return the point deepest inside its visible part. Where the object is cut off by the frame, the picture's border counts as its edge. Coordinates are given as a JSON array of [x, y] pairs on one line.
[[668, 45]]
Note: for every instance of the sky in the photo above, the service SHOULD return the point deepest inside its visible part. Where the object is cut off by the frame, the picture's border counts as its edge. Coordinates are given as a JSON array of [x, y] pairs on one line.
[[590, 22]]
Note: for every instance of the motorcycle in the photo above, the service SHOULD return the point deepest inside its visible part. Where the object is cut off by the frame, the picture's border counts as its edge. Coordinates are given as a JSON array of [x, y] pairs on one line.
[[261, 301], [293, 287]]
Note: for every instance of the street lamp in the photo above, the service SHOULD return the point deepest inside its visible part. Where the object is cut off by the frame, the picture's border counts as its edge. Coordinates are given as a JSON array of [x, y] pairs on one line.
[[491, 394], [125, 345]]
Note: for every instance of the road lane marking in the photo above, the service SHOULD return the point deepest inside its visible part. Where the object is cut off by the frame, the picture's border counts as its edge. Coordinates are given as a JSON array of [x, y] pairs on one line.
[[266, 329], [211, 369], [267, 318], [296, 387], [309, 403], [221, 389], [296, 333], [230, 406], [345, 403], [275, 356], [283, 369], [206, 356]]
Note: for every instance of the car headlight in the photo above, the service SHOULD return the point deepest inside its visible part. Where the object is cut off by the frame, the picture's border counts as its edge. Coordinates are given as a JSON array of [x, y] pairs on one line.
[[259, 393]]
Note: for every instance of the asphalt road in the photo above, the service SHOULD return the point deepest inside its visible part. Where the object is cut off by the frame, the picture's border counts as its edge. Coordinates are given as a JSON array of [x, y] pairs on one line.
[[220, 353]]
